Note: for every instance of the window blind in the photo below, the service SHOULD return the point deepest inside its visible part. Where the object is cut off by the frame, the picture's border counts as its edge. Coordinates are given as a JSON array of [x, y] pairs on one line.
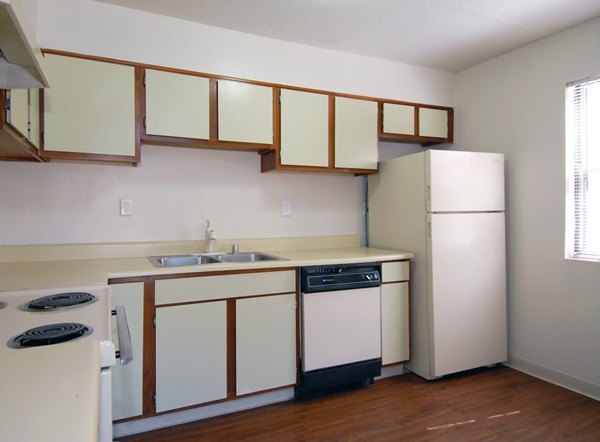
[[583, 169]]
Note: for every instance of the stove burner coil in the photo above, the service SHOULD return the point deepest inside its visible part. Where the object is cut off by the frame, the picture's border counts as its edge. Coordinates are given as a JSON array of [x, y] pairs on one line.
[[60, 301], [50, 334]]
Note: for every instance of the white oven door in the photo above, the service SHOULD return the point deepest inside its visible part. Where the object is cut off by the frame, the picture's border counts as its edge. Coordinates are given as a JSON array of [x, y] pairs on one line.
[[340, 327]]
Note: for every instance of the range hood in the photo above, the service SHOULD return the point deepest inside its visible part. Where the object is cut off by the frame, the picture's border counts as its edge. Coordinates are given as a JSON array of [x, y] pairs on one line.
[[20, 57]]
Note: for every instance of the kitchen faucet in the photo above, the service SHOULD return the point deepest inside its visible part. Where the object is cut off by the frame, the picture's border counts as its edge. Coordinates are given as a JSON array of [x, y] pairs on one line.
[[209, 237]]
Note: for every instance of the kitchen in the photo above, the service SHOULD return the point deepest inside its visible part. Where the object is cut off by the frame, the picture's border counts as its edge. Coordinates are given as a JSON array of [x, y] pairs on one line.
[[498, 108]]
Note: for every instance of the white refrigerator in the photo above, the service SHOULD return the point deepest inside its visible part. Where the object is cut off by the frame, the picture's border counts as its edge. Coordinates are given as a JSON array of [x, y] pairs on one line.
[[448, 208]]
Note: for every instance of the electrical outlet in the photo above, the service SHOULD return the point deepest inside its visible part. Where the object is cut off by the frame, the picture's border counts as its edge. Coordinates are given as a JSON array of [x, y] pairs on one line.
[[126, 206], [286, 208]]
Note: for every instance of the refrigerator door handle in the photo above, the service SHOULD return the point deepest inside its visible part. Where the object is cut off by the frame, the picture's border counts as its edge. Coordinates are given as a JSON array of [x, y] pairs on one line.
[[428, 197]]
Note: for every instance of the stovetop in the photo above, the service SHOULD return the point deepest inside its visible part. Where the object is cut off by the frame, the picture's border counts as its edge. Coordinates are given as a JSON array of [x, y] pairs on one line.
[[91, 320]]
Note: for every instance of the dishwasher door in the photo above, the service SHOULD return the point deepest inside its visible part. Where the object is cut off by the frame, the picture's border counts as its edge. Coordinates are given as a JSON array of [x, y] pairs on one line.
[[340, 327]]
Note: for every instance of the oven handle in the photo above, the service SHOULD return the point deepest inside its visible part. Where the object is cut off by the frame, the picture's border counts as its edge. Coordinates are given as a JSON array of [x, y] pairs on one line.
[[125, 352]]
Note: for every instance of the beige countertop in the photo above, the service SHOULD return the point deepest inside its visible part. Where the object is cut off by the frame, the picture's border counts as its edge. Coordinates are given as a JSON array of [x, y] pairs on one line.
[[80, 272], [56, 403]]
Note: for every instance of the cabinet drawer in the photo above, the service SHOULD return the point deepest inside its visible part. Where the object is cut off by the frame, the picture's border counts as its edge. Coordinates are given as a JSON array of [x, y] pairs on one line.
[[395, 271], [204, 288]]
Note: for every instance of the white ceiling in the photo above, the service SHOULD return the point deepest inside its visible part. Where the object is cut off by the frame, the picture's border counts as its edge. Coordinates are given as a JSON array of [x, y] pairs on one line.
[[450, 35]]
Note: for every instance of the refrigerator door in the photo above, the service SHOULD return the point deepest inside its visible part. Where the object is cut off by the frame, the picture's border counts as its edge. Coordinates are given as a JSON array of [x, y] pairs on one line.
[[465, 181], [467, 291]]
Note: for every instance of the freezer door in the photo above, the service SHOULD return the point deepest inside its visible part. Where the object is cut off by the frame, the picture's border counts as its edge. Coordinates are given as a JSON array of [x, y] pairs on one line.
[[465, 181], [467, 291]]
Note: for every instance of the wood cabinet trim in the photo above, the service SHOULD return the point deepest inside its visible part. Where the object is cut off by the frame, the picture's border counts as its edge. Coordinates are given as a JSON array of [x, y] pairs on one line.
[[204, 301], [231, 349], [149, 365], [331, 164]]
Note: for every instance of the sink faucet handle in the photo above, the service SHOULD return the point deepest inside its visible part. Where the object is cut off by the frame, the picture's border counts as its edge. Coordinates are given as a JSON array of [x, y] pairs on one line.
[[209, 236], [209, 233], [235, 248]]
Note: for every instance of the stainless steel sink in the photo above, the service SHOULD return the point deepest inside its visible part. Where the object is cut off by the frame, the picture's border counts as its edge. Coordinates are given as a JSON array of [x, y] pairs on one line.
[[187, 260], [181, 260], [247, 257]]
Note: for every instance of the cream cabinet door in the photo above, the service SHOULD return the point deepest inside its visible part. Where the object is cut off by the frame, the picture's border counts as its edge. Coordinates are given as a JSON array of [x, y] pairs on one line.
[[177, 105], [19, 110], [433, 122], [35, 134], [394, 323], [398, 119], [25, 113], [355, 133], [245, 112], [304, 129], [127, 379], [191, 354], [90, 107], [265, 343]]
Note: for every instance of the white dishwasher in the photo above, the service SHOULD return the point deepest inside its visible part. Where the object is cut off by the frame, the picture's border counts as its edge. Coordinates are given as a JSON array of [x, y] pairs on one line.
[[340, 325]]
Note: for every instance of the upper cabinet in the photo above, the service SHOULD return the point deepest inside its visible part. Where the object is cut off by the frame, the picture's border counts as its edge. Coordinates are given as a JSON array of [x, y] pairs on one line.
[[102, 110], [433, 123], [355, 134], [319, 132], [304, 129], [245, 112], [89, 110], [20, 125], [195, 110], [25, 113], [177, 105], [416, 123]]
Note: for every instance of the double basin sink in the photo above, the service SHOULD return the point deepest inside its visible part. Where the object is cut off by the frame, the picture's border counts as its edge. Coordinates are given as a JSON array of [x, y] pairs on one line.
[[211, 258]]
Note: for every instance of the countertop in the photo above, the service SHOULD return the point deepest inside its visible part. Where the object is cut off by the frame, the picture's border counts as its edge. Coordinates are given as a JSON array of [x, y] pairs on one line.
[[70, 371], [58, 402], [80, 272]]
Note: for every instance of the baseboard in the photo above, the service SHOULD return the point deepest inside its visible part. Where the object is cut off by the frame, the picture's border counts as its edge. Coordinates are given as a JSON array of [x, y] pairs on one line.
[[389, 371], [555, 377], [183, 417]]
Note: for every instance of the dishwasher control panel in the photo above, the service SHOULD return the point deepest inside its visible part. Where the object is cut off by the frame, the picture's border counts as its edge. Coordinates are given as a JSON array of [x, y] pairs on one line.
[[339, 277]]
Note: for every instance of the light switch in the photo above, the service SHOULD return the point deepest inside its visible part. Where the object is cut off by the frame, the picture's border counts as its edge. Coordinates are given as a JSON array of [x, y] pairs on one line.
[[286, 208], [126, 207]]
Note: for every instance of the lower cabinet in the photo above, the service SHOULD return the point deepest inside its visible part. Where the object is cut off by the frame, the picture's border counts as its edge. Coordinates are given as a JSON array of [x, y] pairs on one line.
[[265, 343], [127, 380], [395, 324], [191, 354], [223, 336]]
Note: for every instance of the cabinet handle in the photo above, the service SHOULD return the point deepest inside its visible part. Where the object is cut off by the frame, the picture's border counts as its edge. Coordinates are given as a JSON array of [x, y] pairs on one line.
[[125, 352]]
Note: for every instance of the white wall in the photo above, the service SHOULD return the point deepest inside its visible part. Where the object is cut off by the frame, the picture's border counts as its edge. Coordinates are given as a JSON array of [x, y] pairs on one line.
[[515, 104], [176, 190]]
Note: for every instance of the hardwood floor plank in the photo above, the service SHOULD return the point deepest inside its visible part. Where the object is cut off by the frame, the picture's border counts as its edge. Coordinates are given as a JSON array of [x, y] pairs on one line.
[[497, 404]]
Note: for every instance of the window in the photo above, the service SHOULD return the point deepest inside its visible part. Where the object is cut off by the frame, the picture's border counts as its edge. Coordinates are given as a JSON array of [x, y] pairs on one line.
[[582, 238]]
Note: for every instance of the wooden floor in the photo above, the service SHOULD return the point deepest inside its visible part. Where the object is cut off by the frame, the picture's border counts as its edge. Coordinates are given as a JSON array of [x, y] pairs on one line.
[[498, 404]]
